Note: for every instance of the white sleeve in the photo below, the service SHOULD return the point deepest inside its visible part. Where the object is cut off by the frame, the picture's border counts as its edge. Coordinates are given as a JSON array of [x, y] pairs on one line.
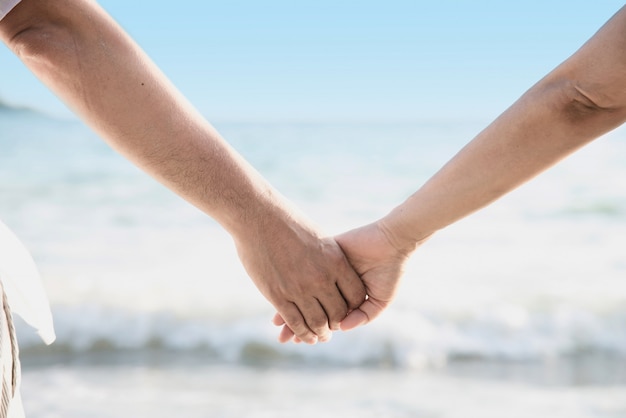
[[6, 6], [23, 286]]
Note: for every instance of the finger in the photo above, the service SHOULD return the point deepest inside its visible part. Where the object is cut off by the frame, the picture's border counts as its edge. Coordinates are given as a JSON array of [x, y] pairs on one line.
[[366, 313], [293, 337], [316, 318], [295, 320], [278, 320], [352, 288], [354, 319], [335, 308], [286, 334]]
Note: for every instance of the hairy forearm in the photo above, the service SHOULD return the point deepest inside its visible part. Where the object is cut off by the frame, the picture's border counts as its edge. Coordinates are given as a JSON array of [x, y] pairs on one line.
[[580, 100], [94, 67], [80, 53]]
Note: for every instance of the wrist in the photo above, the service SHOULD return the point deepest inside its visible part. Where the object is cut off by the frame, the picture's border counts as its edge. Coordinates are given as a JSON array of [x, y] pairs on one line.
[[267, 217], [402, 235]]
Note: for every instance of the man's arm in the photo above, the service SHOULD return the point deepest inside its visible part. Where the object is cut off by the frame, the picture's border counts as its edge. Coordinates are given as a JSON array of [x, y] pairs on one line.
[[82, 55], [580, 100]]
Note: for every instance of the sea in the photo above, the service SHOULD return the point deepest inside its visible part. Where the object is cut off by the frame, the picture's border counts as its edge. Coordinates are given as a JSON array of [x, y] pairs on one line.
[[518, 310]]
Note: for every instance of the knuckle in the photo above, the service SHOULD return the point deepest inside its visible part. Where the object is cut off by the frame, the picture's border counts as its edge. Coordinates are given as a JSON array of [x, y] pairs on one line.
[[320, 281], [318, 325], [296, 324], [357, 299], [358, 302], [338, 313], [300, 329]]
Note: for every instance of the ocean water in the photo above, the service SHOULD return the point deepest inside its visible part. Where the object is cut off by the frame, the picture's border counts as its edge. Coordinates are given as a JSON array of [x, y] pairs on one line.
[[519, 309]]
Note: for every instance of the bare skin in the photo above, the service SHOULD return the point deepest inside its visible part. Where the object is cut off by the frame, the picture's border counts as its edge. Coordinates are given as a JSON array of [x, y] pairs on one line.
[[82, 55], [577, 102]]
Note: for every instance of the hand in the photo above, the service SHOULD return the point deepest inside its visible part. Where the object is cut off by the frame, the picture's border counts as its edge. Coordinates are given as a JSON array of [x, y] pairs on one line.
[[371, 251], [304, 275]]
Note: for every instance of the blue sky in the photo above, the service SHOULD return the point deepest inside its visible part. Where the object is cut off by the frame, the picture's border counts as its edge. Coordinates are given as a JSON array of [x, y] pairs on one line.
[[339, 60]]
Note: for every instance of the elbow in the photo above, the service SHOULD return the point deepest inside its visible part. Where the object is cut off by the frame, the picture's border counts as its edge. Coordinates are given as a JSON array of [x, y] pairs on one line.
[[585, 101], [585, 105], [35, 32], [34, 44]]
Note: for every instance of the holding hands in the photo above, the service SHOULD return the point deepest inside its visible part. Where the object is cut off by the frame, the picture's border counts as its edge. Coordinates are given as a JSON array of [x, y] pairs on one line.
[[379, 258], [304, 275], [580, 100], [317, 284]]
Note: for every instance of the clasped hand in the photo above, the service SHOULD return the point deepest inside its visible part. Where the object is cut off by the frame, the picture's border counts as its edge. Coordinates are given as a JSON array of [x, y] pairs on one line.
[[339, 283]]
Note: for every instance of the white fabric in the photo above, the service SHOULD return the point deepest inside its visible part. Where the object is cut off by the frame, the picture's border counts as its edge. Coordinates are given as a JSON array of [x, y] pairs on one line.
[[22, 285], [11, 406], [6, 6], [16, 407]]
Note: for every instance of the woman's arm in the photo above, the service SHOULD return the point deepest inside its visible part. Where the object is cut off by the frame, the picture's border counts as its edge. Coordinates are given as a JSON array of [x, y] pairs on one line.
[[581, 99]]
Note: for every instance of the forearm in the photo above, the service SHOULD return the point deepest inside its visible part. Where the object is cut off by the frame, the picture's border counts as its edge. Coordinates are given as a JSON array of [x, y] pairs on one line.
[[579, 101], [80, 53], [94, 67]]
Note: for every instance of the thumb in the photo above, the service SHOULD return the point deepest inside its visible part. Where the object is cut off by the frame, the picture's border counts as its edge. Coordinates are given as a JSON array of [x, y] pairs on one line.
[[364, 314]]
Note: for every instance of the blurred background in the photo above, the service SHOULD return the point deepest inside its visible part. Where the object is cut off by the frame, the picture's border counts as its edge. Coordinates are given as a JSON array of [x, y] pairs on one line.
[[347, 108]]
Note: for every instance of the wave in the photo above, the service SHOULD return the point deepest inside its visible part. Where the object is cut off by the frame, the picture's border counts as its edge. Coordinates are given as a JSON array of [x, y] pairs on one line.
[[603, 209], [407, 340]]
